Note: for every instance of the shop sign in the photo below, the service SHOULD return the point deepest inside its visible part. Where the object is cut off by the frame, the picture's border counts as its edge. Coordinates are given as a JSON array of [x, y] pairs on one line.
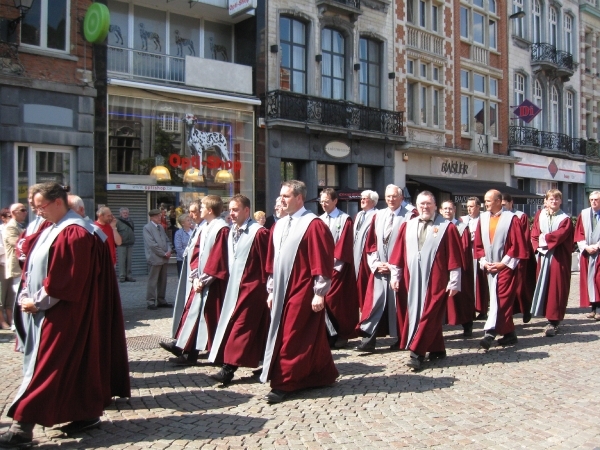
[[240, 6], [142, 187], [453, 167], [527, 111], [548, 168], [212, 162], [337, 149], [535, 201]]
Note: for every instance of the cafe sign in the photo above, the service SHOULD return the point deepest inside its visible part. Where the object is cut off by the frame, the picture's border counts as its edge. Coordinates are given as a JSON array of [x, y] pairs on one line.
[[337, 149], [453, 167]]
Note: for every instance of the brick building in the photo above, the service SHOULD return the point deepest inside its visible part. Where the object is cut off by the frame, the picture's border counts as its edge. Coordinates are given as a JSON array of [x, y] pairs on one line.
[[46, 100]]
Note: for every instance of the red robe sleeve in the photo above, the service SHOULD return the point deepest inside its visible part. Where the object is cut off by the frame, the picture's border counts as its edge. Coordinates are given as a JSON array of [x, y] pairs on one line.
[[579, 230], [524, 224], [270, 251], [455, 253], [217, 264], [515, 245], [261, 243], [371, 241], [320, 249], [562, 234], [398, 252], [345, 244], [535, 231], [478, 248], [69, 264]]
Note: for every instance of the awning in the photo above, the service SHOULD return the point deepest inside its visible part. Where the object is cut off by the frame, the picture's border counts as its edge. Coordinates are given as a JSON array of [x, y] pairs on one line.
[[471, 188]]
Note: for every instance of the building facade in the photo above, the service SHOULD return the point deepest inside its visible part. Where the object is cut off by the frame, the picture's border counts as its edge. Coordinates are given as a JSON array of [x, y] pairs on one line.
[[327, 75]]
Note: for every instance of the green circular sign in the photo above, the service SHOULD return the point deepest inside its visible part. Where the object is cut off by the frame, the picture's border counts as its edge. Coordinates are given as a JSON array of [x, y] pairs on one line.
[[96, 23]]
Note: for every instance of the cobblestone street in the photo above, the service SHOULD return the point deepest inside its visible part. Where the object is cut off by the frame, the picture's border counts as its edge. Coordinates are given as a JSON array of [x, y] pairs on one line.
[[541, 393]]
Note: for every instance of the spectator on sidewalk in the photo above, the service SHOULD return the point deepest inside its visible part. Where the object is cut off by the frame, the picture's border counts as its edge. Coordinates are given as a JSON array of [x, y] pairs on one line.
[[5, 285], [126, 229], [108, 224], [182, 238], [158, 252]]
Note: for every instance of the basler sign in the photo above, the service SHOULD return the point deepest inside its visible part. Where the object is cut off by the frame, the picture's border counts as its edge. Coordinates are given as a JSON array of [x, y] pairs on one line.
[[453, 167]]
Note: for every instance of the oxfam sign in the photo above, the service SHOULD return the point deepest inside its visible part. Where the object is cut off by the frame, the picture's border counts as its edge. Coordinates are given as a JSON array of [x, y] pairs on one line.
[[337, 149]]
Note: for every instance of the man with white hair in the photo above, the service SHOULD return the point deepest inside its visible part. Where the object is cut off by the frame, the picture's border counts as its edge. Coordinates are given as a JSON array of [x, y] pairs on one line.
[[427, 261], [272, 219], [108, 224], [362, 225], [379, 314]]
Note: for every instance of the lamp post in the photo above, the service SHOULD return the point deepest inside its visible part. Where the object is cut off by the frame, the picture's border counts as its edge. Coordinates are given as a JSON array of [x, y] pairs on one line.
[[23, 6]]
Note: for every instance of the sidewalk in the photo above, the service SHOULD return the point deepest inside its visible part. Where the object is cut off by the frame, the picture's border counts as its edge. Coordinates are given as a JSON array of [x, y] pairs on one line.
[[542, 393]]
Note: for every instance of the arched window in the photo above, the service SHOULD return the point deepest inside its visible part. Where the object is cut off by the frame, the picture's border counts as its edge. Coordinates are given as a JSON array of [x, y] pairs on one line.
[[553, 33], [537, 99], [537, 22], [554, 116], [292, 39], [519, 90], [519, 24], [333, 66], [568, 34]]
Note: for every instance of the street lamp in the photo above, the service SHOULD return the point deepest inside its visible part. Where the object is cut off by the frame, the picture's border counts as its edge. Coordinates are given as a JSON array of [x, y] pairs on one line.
[[518, 15], [23, 6]]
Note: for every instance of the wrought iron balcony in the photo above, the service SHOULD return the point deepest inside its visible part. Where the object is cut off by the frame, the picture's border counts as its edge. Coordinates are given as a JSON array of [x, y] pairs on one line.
[[130, 63], [549, 59], [337, 113], [353, 3], [532, 137], [592, 149]]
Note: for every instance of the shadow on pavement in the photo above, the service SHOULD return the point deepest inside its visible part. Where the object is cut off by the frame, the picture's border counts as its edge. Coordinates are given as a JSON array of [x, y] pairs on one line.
[[188, 427], [504, 355], [357, 368]]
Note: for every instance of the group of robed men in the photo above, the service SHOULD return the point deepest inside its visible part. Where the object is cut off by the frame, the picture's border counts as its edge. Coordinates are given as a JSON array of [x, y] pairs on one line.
[[285, 297]]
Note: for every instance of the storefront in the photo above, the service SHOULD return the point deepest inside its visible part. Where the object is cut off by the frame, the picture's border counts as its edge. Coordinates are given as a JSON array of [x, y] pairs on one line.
[[166, 149]]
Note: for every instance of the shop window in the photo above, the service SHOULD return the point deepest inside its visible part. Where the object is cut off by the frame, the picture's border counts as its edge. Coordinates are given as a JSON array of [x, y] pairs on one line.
[[289, 170], [47, 26], [292, 39], [370, 77], [543, 186], [333, 66], [169, 122], [327, 175], [124, 146], [365, 178], [217, 41]]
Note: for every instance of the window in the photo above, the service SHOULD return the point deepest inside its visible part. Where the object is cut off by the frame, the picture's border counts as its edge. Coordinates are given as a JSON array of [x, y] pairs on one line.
[[519, 90], [478, 28], [410, 67], [410, 101], [464, 79], [493, 87], [293, 55], [464, 22], [169, 122], [289, 170], [47, 27], [435, 106], [423, 70], [465, 115], [370, 78], [423, 104], [333, 66], [492, 6], [518, 24], [568, 34], [478, 3], [537, 99], [492, 34], [479, 115], [588, 119], [554, 110], [410, 11], [327, 175], [570, 116], [424, 95], [553, 27], [543, 186], [434, 18], [493, 119], [435, 76], [422, 14], [537, 22], [365, 178], [478, 83]]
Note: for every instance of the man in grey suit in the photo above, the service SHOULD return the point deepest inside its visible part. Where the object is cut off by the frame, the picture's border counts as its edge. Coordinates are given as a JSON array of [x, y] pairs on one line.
[[125, 228], [158, 252]]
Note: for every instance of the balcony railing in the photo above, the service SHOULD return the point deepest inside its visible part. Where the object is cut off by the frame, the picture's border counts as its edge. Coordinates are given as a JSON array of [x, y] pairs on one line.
[[532, 137], [547, 53], [338, 113], [592, 149], [423, 40], [138, 64]]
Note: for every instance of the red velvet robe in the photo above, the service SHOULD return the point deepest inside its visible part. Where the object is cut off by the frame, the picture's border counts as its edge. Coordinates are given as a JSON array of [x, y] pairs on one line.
[[525, 274], [461, 307], [559, 275], [584, 298], [342, 300], [429, 337], [515, 247], [301, 357], [246, 336], [82, 355]]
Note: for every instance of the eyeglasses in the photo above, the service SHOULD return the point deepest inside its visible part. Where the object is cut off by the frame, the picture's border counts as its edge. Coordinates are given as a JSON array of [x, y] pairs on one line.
[[19, 210], [41, 208]]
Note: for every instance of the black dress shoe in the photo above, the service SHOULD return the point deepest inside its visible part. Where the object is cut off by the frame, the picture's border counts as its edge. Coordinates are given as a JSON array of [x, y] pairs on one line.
[[467, 329], [395, 346], [526, 317], [164, 305], [223, 376], [171, 348], [132, 280], [13, 440], [415, 361], [77, 426], [437, 355], [152, 307], [182, 361], [481, 316], [508, 339], [486, 342], [276, 396], [365, 348]]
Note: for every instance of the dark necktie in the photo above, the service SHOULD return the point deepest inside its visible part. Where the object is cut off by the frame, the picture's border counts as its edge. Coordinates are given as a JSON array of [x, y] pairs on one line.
[[388, 228], [359, 222], [236, 235], [423, 232]]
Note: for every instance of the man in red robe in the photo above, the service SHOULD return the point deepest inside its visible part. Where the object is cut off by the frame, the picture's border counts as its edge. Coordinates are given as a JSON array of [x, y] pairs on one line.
[[526, 268], [241, 334], [362, 225], [499, 245], [427, 259], [202, 286], [70, 326], [587, 237], [481, 292], [300, 261], [108, 224], [341, 302], [552, 237], [461, 307]]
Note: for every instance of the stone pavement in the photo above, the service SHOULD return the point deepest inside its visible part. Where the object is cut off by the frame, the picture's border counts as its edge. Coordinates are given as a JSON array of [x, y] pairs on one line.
[[542, 393]]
